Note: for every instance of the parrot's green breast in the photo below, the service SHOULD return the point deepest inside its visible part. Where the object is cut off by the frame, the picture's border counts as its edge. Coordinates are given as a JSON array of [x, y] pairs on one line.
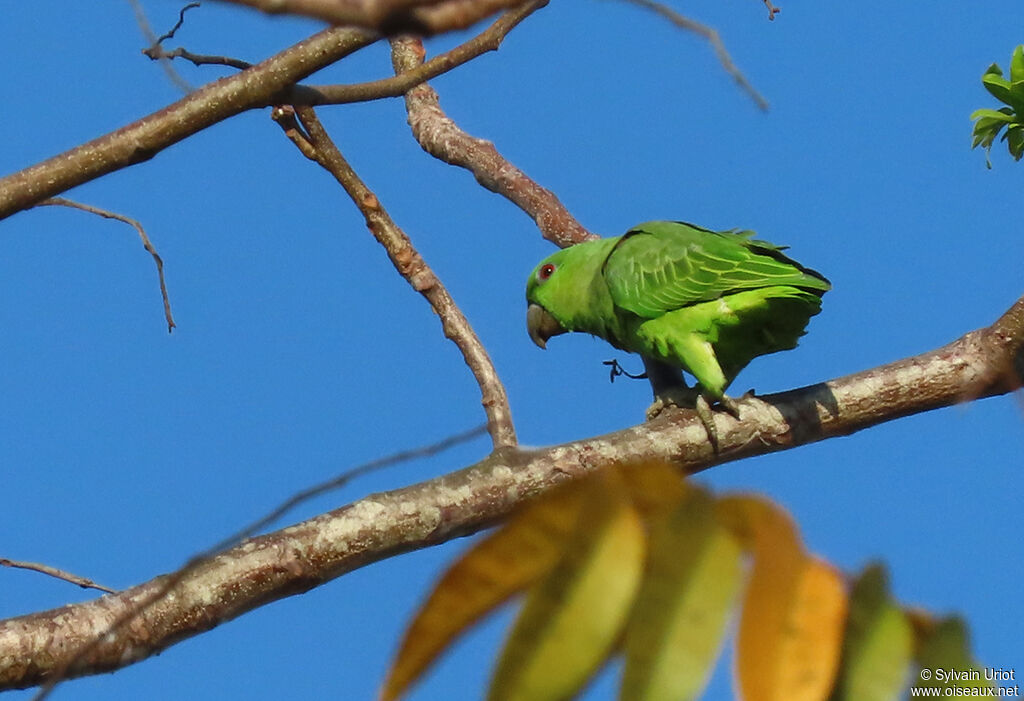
[[707, 302]]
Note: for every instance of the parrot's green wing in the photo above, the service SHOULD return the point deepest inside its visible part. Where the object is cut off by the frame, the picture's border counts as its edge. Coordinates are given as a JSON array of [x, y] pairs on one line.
[[662, 266]]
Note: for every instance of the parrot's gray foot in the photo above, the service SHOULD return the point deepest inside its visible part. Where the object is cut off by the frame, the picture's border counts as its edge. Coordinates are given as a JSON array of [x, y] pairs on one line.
[[678, 397], [694, 400]]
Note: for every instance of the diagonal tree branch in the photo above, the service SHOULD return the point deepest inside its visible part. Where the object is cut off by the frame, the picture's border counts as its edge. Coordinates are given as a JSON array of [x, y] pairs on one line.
[[316, 144], [442, 138], [141, 140], [271, 82], [983, 363]]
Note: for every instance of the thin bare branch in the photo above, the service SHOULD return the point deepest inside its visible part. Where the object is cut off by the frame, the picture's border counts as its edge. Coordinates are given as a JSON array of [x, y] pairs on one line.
[[83, 582], [713, 38], [772, 9], [424, 17], [443, 139], [314, 142], [159, 52], [147, 244], [77, 655], [396, 86], [983, 363], [261, 85]]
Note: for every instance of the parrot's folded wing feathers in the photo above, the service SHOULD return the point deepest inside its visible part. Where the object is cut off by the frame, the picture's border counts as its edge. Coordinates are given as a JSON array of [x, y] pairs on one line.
[[663, 266]]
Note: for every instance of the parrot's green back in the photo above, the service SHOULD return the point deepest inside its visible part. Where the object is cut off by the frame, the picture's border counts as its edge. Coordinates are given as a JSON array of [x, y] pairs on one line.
[[705, 301]]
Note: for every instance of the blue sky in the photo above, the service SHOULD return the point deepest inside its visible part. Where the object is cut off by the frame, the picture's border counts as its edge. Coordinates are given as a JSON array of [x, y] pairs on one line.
[[300, 353]]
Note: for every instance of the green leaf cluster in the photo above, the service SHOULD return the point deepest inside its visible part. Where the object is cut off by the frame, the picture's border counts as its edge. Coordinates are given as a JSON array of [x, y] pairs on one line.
[[1008, 120]]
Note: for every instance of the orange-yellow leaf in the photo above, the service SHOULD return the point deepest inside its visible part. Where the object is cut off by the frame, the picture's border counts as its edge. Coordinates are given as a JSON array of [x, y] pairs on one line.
[[572, 618], [501, 565], [676, 627], [811, 645], [779, 560], [653, 485], [790, 631]]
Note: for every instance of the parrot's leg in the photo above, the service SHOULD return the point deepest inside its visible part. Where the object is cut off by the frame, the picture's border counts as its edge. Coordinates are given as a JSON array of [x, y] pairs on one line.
[[670, 390]]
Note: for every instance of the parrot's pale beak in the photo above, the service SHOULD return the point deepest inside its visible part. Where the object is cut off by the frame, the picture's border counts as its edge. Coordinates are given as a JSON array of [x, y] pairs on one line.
[[541, 325]]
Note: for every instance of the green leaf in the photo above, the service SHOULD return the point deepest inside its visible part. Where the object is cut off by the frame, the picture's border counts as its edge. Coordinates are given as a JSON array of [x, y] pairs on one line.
[[878, 645], [945, 659], [998, 87], [1017, 65], [994, 69], [572, 618], [1002, 115], [1015, 141], [676, 627]]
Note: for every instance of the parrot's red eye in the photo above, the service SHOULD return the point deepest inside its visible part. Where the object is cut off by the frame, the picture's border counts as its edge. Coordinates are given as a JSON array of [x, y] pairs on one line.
[[545, 271]]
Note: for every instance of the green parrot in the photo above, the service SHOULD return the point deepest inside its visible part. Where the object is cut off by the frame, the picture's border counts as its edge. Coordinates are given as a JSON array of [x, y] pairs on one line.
[[683, 297]]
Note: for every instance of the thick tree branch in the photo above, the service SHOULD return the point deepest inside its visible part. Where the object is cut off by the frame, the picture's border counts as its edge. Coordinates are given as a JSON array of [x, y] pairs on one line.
[[981, 364], [423, 17], [141, 140], [316, 144], [442, 138]]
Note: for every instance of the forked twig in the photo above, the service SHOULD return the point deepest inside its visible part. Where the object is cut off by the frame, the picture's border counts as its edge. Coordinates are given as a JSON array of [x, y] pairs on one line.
[[396, 86], [315, 143], [442, 138], [107, 214], [154, 42], [713, 38], [83, 582]]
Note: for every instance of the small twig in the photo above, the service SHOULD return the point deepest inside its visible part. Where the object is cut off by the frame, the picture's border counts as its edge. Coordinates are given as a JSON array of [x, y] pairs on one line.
[[315, 143], [63, 202], [713, 38], [83, 582], [154, 42], [442, 138], [772, 9], [135, 611], [158, 53], [177, 26]]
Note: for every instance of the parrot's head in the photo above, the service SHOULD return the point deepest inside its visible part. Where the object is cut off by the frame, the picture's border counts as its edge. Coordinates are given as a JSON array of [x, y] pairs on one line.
[[544, 292]]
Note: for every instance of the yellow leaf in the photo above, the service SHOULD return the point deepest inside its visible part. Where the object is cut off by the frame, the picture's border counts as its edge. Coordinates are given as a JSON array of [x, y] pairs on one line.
[[572, 618], [676, 627], [790, 631], [495, 569], [811, 645], [653, 485]]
